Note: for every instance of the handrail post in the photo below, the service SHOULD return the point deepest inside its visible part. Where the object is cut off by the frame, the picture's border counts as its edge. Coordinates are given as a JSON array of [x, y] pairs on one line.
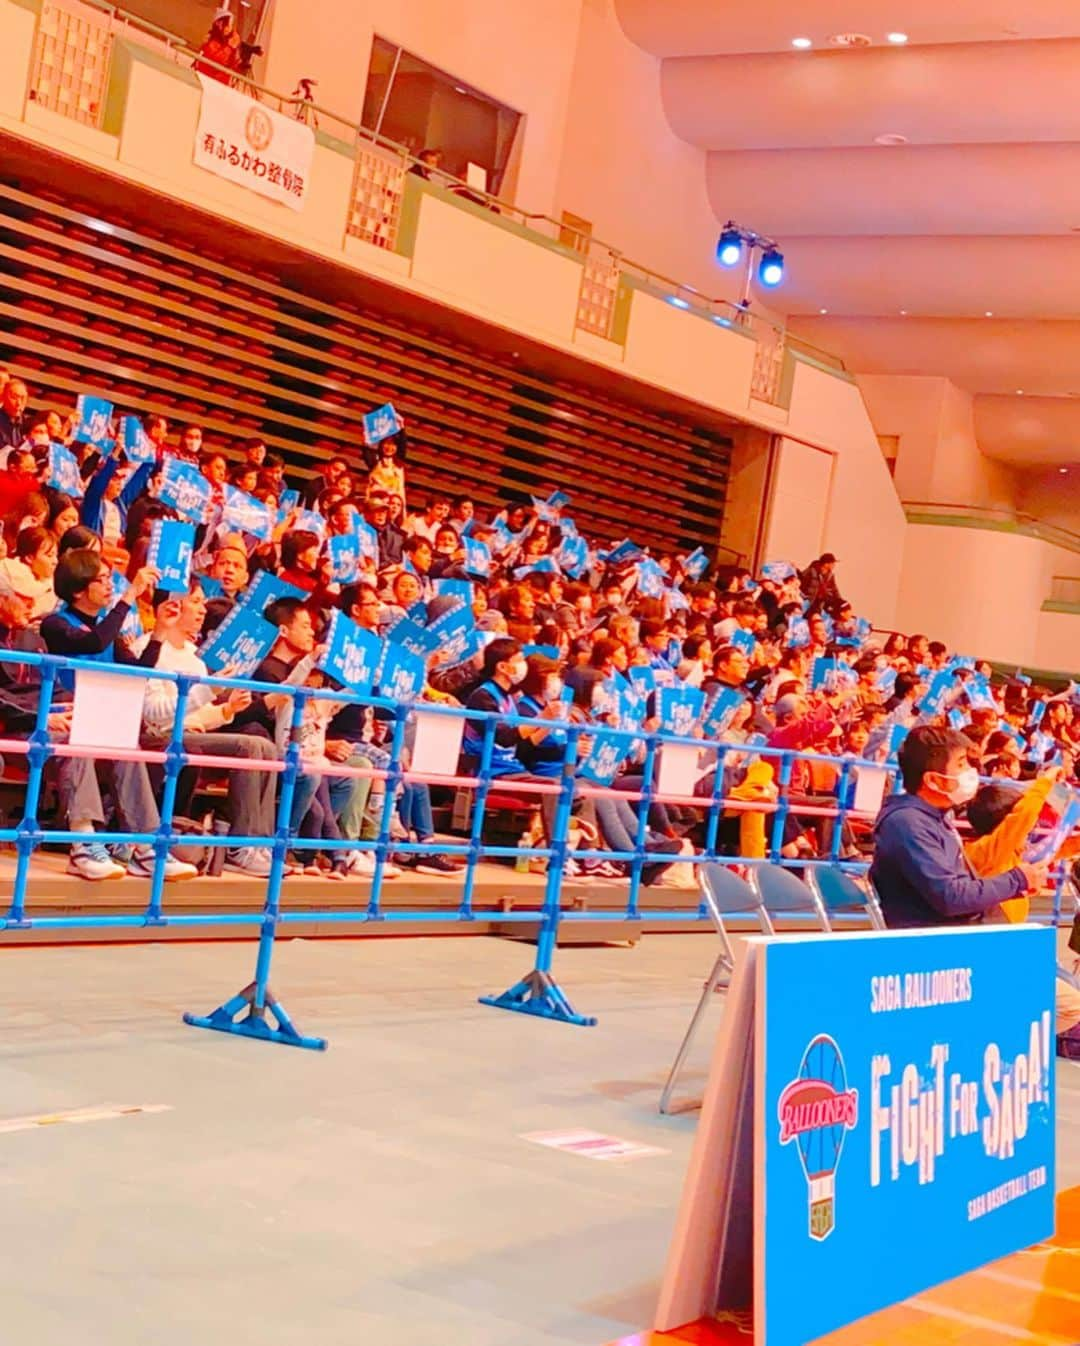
[[476, 823], [29, 829], [641, 832], [256, 999], [394, 778], [175, 760], [783, 806], [538, 993]]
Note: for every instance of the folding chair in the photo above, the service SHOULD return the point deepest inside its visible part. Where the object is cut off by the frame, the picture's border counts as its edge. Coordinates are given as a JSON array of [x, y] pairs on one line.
[[725, 894], [780, 893], [839, 892]]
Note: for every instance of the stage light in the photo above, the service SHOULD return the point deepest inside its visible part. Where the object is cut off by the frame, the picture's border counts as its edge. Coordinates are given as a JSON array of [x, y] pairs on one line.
[[803, 43], [771, 269], [729, 248], [678, 301], [898, 39]]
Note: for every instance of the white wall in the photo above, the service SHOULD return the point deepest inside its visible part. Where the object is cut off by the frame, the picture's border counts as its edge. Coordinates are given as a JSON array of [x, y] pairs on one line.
[[981, 591], [521, 54], [623, 167], [939, 459], [799, 506], [864, 524]]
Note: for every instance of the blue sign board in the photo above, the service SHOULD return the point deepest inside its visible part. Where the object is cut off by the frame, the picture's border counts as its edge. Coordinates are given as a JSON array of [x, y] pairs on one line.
[[267, 588], [137, 446], [171, 545], [352, 654], [93, 416], [344, 553], [245, 512], [240, 643], [381, 423], [185, 489], [63, 474], [904, 1104]]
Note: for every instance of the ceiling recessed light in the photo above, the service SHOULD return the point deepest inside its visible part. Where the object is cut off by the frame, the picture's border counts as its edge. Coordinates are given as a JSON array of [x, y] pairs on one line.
[[903, 313], [823, 311], [989, 313], [1019, 392], [1063, 469], [897, 39], [802, 42], [891, 138]]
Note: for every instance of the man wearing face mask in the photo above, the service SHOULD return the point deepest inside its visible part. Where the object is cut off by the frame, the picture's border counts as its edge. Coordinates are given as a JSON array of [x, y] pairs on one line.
[[919, 869]]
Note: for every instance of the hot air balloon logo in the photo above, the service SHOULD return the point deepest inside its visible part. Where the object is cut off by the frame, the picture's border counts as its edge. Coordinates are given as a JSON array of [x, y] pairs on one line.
[[817, 1110]]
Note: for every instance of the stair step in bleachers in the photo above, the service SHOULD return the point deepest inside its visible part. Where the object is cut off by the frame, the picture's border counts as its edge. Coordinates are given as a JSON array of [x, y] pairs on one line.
[[182, 329]]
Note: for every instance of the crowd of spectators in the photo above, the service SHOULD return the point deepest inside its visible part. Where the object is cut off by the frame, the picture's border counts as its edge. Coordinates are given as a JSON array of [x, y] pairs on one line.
[[598, 633]]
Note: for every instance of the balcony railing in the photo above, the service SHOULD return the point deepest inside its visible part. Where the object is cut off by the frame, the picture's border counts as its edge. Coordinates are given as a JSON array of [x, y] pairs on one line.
[[70, 75], [994, 520]]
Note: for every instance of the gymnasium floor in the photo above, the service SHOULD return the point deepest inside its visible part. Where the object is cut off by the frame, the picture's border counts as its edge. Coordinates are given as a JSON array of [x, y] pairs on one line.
[[381, 1192]]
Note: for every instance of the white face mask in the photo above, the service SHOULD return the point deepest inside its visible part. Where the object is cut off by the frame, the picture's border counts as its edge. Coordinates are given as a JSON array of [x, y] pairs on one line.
[[966, 787]]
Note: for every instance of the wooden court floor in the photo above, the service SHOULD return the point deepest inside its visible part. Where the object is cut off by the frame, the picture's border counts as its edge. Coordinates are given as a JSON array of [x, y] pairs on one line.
[[1031, 1298]]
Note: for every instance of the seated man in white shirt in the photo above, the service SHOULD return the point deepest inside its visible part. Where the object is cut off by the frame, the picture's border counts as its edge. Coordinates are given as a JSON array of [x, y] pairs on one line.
[[178, 624], [427, 525]]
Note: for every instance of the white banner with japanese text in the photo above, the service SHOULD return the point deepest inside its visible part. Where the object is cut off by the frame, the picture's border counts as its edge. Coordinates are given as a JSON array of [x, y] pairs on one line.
[[241, 140]]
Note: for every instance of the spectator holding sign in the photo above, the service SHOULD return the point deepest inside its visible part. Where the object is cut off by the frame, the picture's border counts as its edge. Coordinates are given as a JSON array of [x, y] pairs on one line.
[[386, 471], [207, 724], [77, 630]]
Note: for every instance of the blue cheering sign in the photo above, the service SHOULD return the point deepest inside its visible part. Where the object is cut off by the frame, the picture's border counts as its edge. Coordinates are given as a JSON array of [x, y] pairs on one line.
[[344, 554], [184, 489], [64, 472], [352, 654], [243, 511], [696, 564], [265, 589], [477, 557], [94, 421], [679, 709], [171, 545], [381, 423], [240, 643], [401, 674], [137, 446]]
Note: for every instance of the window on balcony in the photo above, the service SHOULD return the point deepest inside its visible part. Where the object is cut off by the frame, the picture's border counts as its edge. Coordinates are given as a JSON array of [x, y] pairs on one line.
[[420, 106]]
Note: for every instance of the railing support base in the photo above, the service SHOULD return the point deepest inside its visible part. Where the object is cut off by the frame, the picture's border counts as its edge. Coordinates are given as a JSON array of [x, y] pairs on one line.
[[253, 1024], [538, 994]]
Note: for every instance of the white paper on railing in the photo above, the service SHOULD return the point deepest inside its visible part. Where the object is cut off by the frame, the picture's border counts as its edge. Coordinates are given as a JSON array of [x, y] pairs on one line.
[[679, 769], [107, 712], [869, 788], [437, 745], [240, 139]]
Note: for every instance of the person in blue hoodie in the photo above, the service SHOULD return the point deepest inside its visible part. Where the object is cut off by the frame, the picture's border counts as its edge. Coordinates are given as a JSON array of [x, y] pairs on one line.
[[919, 869]]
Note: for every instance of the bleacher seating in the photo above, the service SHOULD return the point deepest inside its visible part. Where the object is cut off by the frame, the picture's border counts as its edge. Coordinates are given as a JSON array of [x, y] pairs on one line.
[[90, 297]]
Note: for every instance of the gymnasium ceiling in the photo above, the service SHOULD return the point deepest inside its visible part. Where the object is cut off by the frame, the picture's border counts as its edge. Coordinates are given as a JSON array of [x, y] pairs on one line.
[[956, 253]]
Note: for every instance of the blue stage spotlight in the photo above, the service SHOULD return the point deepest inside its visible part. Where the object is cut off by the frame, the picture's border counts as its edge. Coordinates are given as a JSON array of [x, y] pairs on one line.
[[771, 269], [729, 248]]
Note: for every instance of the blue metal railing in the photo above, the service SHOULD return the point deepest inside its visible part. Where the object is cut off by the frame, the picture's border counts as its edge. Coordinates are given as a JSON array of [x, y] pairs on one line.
[[255, 1011]]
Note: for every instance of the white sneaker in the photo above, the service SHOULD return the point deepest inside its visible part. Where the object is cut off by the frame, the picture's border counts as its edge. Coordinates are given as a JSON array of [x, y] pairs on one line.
[[361, 864], [251, 861], [141, 866], [90, 860]]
